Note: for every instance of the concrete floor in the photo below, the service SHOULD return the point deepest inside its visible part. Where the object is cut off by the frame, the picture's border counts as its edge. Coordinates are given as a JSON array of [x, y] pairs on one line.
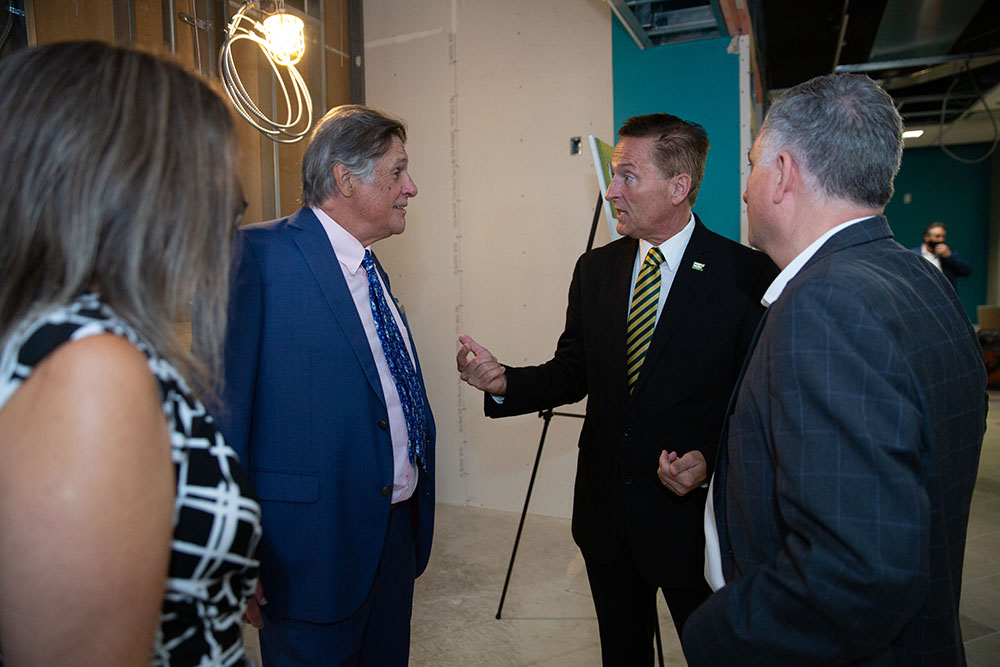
[[981, 576], [548, 618]]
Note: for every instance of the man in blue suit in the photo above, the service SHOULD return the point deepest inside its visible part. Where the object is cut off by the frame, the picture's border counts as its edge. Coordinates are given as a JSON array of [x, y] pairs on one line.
[[843, 481], [325, 404]]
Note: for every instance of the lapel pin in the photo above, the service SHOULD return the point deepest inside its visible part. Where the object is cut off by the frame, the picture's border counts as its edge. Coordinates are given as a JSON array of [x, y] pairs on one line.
[[698, 266]]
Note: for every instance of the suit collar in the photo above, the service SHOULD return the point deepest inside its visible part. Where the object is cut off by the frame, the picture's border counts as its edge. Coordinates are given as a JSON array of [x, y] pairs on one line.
[[314, 244], [674, 247], [620, 276], [303, 218], [870, 229], [718, 484], [834, 239], [349, 250]]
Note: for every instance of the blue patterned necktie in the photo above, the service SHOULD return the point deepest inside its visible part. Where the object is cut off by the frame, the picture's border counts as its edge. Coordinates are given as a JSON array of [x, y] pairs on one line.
[[404, 375]]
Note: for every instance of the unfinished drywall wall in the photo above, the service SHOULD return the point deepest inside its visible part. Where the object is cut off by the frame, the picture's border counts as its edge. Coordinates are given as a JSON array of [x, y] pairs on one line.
[[492, 93]]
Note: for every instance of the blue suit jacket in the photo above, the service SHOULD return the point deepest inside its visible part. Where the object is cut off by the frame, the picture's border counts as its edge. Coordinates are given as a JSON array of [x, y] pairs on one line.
[[842, 491], [304, 409]]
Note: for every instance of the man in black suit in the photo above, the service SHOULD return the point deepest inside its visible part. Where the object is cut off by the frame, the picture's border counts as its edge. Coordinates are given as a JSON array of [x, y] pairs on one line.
[[841, 493], [657, 369]]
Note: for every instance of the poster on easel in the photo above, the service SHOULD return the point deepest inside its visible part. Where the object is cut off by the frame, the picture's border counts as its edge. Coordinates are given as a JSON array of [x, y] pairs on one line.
[[602, 164]]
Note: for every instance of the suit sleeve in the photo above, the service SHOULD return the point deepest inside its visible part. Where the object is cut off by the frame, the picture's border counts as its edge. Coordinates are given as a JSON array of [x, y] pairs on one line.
[[561, 380], [243, 334], [957, 265], [840, 428]]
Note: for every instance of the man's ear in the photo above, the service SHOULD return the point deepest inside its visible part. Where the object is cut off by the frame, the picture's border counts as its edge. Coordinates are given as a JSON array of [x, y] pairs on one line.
[[344, 178], [789, 177], [681, 189]]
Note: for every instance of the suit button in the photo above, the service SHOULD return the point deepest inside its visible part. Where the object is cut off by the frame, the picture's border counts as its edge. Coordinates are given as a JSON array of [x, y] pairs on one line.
[[383, 424], [628, 480], [628, 431], [386, 490]]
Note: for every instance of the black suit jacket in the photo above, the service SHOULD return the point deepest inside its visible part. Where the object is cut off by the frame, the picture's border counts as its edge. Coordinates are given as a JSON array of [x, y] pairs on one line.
[[679, 401]]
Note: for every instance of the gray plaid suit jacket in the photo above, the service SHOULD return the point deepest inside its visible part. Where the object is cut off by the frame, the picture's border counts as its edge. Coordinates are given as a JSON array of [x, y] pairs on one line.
[[844, 480]]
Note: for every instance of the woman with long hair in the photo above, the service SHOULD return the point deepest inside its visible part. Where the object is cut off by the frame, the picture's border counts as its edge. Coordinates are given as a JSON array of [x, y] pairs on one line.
[[128, 531]]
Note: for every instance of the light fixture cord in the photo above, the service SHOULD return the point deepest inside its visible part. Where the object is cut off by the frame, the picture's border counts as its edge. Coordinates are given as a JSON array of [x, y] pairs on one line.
[[989, 113], [9, 26]]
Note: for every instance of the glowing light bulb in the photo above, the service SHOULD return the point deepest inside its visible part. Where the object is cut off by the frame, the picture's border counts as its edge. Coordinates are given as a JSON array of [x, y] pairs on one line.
[[285, 38]]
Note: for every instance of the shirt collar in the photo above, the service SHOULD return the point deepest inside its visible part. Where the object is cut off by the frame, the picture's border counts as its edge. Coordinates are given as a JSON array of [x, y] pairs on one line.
[[349, 250], [793, 268], [673, 248]]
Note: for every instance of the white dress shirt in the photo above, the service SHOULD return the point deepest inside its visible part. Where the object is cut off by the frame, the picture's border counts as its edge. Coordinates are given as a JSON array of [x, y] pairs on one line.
[[350, 252], [673, 250], [930, 256]]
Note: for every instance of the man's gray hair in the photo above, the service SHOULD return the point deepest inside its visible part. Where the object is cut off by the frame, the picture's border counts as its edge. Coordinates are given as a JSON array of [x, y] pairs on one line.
[[353, 135], [845, 130]]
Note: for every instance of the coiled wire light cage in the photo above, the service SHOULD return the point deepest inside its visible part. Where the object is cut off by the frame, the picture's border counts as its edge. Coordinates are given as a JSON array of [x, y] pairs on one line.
[[281, 53]]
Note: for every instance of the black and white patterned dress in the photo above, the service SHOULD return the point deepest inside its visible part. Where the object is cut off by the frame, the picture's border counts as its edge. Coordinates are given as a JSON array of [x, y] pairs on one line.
[[213, 561]]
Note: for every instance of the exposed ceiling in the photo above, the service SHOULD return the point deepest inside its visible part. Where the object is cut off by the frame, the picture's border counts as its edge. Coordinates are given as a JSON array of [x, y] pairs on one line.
[[939, 59]]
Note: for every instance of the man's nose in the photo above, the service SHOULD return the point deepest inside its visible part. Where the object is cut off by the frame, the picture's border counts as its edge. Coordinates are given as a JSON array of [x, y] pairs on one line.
[[613, 190]]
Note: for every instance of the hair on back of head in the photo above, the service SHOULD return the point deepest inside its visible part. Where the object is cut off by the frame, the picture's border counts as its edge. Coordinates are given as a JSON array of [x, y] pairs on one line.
[[681, 146], [353, 135], [846, 132], [118, 176]]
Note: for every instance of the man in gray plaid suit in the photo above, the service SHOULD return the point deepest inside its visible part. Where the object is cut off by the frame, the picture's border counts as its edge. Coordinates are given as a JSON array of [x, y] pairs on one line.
[[841, 493]]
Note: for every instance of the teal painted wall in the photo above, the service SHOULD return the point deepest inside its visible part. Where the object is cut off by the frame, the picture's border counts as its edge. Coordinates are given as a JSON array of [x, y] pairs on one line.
[[699, 82], [945, 190]]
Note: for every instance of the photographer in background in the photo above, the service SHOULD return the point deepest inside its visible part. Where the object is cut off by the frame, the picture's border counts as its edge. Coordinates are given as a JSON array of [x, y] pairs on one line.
[[937, 252]]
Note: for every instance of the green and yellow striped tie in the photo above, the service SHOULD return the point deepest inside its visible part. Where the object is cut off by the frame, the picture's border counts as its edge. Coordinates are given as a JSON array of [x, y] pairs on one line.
[[642, 315]]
